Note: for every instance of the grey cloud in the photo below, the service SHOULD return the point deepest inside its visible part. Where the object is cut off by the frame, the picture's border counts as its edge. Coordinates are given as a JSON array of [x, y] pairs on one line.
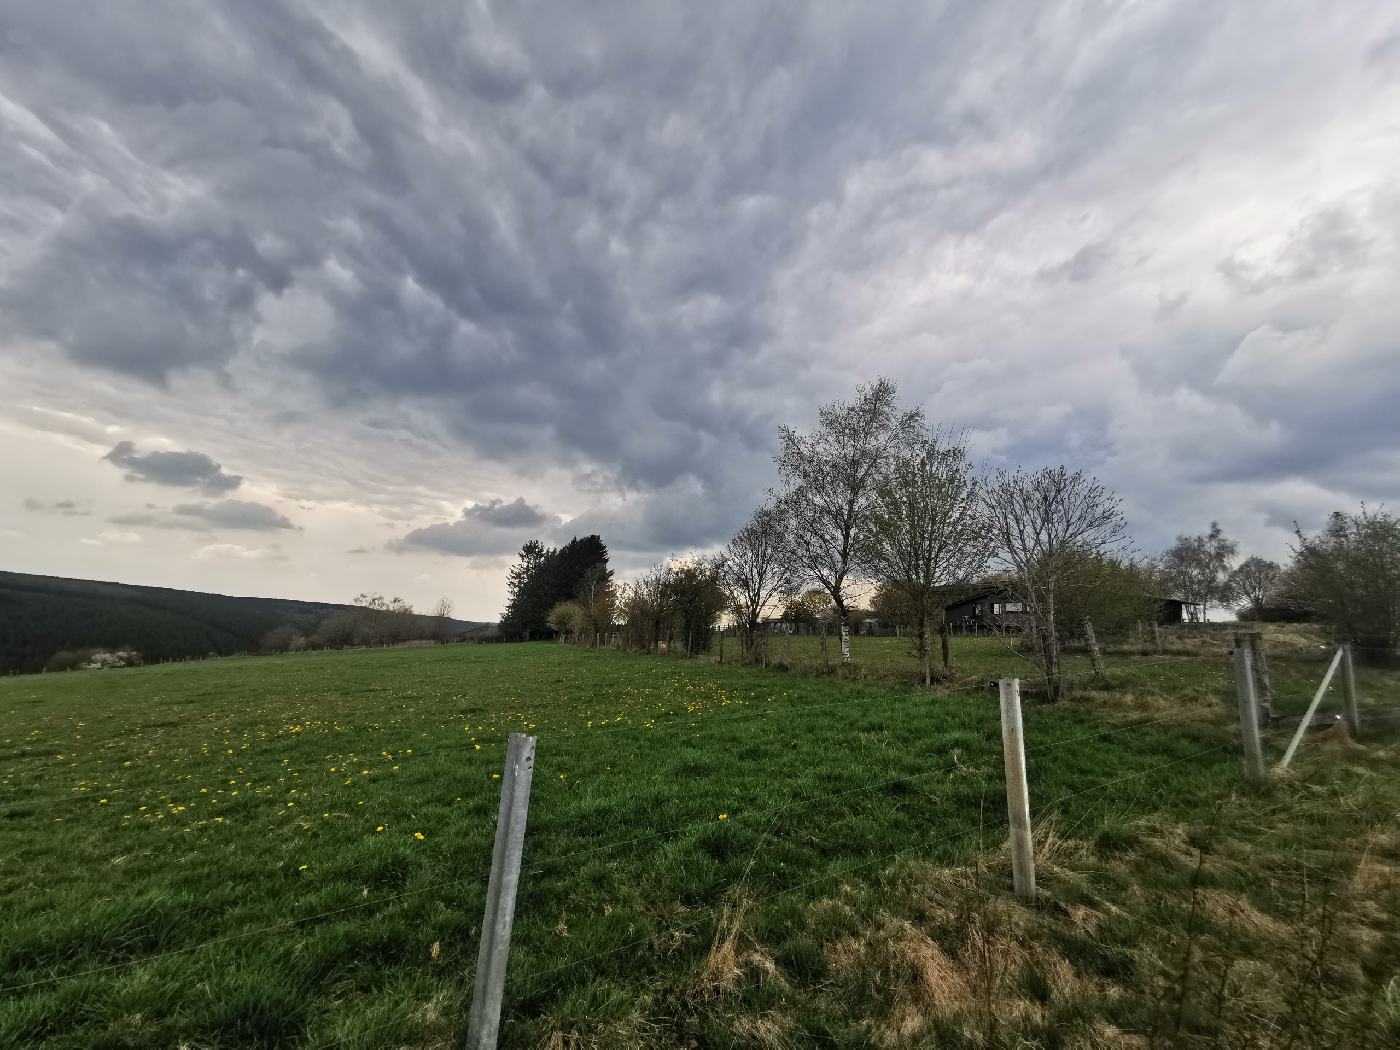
[[201, 517], [689, 514], [484, 529], [67, 507], [1083, 265], [514, 514], [183, 469], [623, 248], [234, 514], [1328, 242]]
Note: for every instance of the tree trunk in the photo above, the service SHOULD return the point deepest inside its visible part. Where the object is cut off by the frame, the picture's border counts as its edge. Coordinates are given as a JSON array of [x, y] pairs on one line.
[[845, 637], [1050, 649], [925, 648]]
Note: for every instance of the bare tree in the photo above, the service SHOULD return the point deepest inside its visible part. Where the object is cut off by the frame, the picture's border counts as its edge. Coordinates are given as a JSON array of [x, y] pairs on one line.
[[442, 620], [927, 538], [1043, 522], [1254, 580], [401, 625], [827, 481], [597, 598], [1198, 569], [644, 608], [755, 570]]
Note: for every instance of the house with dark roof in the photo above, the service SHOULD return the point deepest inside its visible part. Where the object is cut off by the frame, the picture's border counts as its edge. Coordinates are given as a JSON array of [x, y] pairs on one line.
[[988, 609], [997, 608]]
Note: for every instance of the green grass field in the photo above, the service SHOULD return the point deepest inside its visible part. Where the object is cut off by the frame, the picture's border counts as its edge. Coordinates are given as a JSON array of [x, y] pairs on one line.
[[293, 852]]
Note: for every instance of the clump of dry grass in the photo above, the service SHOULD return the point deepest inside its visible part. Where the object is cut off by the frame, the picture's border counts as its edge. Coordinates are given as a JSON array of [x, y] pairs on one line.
[[771, 1029], [634, 1031], [952, 959], [734, 954]]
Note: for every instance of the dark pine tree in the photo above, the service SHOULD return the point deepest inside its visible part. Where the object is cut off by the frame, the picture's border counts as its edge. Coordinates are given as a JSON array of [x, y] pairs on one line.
[[542, 578]]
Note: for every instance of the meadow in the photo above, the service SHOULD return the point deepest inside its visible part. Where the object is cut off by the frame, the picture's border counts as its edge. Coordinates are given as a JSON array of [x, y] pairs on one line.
[[292, 851]]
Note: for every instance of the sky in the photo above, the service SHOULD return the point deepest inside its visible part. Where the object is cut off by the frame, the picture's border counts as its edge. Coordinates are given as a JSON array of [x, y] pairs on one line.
[[310, 299]]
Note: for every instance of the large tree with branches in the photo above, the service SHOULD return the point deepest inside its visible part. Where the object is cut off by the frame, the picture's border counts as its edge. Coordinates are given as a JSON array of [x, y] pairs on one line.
[[927, 539], [1197, 568], [1044, 522], [827, 482]]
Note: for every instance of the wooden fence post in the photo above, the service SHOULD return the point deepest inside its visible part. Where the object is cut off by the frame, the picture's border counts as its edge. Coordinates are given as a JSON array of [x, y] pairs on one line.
[[1018, 803], [484, 1022], [1095, 656], [1350, 710], [1249, 709]]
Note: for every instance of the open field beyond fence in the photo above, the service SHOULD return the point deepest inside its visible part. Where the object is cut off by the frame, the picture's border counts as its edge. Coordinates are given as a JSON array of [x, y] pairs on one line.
[[293, 851]]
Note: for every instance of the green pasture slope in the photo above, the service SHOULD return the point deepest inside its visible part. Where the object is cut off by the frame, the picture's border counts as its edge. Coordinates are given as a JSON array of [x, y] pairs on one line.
[[292, 851]]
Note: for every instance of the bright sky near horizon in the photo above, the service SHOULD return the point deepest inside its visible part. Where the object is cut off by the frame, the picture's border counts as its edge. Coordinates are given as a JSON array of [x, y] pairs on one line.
[[309, 299]]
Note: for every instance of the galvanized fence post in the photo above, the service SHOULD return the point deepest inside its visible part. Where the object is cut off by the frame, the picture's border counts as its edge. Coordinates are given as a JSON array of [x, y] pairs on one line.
[[1018, 804], [484, 1021], [1307, 718], [1249, 709], [1349, 706]]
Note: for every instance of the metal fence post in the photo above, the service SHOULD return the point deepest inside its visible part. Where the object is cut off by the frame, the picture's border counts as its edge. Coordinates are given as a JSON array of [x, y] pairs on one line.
[[1249, 709], [1018, 804], [484, 1021], [1349, 708], [1306, 720]]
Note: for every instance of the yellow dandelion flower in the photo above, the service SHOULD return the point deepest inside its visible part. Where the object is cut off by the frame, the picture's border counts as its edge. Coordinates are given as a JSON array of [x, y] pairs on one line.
[[419, 836], [724, 816]]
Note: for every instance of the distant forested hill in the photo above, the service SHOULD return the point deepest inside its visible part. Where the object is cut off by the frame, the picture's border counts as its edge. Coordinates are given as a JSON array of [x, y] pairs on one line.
[[41, 615]]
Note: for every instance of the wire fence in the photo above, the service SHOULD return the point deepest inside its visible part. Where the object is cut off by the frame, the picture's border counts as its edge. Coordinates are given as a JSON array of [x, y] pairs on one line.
[[739, 892]]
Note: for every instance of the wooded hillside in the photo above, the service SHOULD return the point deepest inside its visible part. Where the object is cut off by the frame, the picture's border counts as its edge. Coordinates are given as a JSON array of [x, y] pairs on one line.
[[41, 615]]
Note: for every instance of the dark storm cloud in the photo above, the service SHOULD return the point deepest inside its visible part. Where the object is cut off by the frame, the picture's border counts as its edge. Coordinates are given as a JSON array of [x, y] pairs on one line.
[[182, 469], [489, 220], [202, 517], [624, 242]]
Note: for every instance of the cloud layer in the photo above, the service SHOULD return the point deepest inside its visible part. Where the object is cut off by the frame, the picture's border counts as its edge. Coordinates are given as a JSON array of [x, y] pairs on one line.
[[200, 517], [391, 261]]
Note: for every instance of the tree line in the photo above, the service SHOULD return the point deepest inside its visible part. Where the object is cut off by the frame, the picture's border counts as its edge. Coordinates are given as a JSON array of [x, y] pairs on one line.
[[370, 620], [875, 501]]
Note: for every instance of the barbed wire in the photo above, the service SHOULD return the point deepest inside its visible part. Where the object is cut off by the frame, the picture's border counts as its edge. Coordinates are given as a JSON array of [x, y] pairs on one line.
[[809, 800], [770, 810]]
